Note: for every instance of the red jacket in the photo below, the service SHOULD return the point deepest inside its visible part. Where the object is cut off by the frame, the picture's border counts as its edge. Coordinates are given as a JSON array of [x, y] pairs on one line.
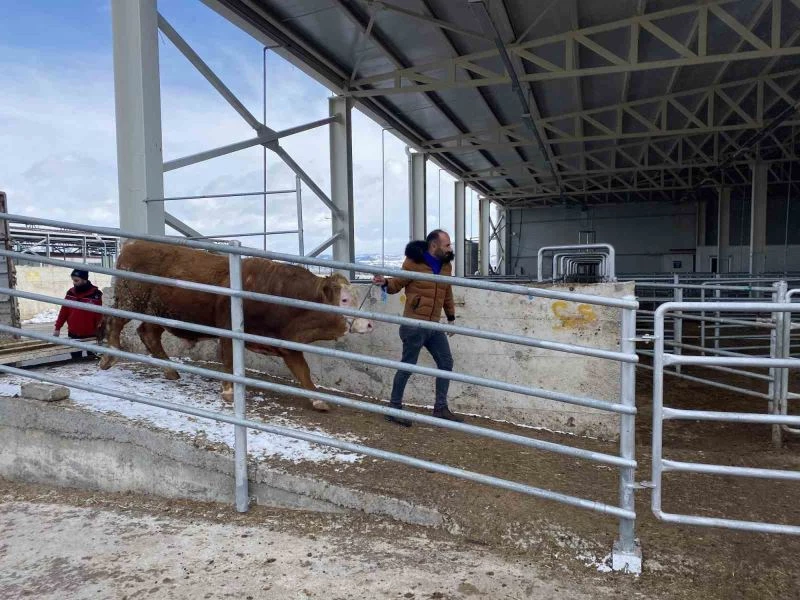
[[81, 323]]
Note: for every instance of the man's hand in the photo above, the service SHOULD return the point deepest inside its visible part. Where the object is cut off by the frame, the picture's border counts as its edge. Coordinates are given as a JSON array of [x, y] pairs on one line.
[[378, 279], [57, 332], [451, 321]]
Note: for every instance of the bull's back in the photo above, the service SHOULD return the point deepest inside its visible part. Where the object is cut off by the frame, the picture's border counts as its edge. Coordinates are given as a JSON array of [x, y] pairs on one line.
[[173, 262]]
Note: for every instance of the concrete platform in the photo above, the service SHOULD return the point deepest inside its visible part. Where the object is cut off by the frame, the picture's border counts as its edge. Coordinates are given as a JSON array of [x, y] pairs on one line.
[[68, 445]]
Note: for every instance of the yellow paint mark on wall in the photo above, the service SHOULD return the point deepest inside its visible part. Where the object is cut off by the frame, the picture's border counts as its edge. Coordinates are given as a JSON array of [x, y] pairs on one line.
[[573, 318]]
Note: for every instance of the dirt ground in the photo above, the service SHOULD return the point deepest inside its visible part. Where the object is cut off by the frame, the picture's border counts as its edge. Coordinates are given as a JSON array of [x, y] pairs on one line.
[[560, 542]]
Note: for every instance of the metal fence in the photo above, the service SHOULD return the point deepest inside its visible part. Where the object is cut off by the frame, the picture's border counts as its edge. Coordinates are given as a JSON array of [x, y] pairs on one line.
[[711, 333], [625, 553], [661, 413], [596, 261]]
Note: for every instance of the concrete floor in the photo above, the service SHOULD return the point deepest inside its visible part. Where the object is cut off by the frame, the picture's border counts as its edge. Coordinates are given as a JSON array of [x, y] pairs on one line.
[[56, 551]]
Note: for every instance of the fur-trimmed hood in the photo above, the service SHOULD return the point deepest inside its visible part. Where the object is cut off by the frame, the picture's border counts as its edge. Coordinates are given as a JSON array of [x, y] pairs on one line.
[[415, 250]]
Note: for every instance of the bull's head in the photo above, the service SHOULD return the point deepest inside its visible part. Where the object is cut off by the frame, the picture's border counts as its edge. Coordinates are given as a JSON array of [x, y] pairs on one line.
[[337, 286]]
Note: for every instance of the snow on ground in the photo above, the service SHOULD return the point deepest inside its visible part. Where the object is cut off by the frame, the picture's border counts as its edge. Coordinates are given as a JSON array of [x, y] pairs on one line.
[[48, 316], [191, 390]]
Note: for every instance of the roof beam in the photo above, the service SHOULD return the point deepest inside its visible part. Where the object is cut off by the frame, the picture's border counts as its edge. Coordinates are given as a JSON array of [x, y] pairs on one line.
[[408, 80]]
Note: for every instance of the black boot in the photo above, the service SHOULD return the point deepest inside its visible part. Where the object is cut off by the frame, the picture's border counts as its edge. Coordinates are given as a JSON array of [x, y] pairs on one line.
[[444, 413], [398, 420]]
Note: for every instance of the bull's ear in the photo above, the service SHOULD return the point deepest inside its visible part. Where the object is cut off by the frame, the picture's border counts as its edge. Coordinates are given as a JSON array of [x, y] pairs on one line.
[[332, 291]]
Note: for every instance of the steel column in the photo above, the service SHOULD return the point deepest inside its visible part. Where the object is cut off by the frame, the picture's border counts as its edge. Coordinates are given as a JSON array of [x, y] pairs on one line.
[[417, 205], [627, 555], [758, 218], [239, 408], [484, 242], [137, 96], [723, 229], [459, 247], [341, 149]]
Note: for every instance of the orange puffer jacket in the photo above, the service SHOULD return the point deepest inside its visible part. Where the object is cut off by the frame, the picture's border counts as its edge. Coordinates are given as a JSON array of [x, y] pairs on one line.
[[424, 299]]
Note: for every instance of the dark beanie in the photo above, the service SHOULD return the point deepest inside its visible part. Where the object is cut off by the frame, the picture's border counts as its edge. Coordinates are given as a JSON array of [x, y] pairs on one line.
[[80, 273]]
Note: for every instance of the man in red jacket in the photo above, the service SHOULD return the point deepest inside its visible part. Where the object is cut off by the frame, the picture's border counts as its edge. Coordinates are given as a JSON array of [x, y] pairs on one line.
[[80, 323]]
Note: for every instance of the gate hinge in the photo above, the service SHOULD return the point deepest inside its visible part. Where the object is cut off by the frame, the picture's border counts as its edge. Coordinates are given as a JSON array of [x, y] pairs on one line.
[[645, 339], [642, 485]]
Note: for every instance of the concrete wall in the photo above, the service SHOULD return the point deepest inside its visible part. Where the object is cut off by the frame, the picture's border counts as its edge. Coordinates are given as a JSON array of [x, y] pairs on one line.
[[648, 237], [657, 237], [776, 260], [60, 444], [50, 281], [552, 320]]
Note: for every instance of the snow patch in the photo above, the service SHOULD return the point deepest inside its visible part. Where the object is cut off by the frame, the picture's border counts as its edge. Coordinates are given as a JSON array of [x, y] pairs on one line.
[[589, 560], [190, 390], [48, 316]]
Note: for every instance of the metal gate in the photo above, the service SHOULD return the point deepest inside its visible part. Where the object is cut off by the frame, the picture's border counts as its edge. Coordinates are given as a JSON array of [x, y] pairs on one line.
[[779, 363]]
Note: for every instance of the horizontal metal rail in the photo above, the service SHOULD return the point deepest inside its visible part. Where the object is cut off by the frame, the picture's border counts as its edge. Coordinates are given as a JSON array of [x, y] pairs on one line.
[[335, 443], [688, 467], [481, 284], [348, 312], [599, 457], [236, 195], [712, 383], [238, 235], [329, 352], [737, 417], [699, 286]]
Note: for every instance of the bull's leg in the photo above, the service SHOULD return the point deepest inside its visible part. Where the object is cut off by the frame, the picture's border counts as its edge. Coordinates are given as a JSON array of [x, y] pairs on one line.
[[150, 334], [115, 325], [226, 358], [299, 367]]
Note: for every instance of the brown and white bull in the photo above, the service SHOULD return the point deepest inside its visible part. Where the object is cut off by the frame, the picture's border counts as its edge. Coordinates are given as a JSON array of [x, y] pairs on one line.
[[258, 275]]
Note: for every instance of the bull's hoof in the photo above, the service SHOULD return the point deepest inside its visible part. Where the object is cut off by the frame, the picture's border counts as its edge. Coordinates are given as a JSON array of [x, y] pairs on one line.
[[320, 406], [107, 362], [171, 374], [227, 395]]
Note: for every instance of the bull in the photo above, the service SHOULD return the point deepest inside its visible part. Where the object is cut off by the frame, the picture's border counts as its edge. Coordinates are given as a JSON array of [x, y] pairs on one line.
[[258, 275]]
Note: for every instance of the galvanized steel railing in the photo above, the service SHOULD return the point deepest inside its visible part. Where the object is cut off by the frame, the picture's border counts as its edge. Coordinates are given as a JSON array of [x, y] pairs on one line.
[[662, 359], [626, 356], [603, 255]]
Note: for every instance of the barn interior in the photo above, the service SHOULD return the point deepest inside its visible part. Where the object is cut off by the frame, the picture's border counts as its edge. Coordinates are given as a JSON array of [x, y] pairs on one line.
[[635, 163]]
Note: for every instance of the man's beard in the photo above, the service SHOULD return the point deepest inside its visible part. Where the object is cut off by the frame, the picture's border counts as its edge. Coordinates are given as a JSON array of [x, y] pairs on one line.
[[447, 257]]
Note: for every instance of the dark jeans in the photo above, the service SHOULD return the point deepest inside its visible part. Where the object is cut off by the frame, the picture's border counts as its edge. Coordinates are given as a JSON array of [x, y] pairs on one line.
[[414, 339]]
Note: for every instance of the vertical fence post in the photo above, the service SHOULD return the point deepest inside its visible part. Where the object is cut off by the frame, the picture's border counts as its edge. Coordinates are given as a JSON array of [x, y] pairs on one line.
[[718, 296], [240, 432], [658, 404], [777, 347], [677, 327], [627, 555], [703, 322]]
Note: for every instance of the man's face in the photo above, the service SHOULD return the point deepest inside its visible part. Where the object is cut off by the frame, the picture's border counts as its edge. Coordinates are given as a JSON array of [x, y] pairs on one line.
[[443, 249], [76, 281]]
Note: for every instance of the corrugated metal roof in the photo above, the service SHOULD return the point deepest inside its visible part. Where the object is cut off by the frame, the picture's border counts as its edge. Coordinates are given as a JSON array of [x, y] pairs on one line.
[[631, 98]]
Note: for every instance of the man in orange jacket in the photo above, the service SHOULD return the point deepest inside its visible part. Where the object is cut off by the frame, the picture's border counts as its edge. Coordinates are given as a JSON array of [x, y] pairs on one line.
[[425, 301]]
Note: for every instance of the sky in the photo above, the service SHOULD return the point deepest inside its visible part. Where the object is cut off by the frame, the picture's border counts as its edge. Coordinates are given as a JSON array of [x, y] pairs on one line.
[[58, 138]]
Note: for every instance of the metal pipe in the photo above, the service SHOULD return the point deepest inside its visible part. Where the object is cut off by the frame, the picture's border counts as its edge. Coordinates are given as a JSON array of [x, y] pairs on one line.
[[627, 433], [348, 312], [332, 353], [688, 467], [330, 398], [204, 196], [544, 249], [334, 443], [339, 265], [237, 348], [231, 235], [733, 417]]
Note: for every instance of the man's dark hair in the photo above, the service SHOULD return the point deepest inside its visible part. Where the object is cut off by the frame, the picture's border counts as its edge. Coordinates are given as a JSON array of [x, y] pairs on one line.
[[433, 236]]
